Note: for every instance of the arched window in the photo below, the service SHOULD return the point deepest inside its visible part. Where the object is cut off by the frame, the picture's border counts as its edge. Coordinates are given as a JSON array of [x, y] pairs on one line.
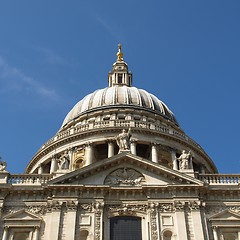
[[167, 235], [78, 163], [83, 235], [125, 227]]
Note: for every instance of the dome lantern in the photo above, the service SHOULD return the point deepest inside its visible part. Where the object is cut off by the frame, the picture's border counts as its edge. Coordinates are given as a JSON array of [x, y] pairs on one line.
[[120, 74]]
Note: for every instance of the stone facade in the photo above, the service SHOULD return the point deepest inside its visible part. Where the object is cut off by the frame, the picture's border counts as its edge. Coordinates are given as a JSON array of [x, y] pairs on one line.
[[120, 156]]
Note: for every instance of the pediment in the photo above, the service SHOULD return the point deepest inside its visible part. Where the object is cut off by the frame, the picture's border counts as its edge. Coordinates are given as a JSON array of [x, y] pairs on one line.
[[22, 215], [125, 169], [225, 215]]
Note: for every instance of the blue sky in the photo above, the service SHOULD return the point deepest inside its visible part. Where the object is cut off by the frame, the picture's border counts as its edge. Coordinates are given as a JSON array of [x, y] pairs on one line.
[[53, 53]]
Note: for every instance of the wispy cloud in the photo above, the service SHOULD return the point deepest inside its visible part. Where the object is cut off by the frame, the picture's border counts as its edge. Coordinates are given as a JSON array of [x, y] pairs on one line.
[[13, 79], [109, 28], [52, 57]]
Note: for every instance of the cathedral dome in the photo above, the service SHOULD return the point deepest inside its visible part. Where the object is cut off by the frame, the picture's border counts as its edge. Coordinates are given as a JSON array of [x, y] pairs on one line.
[[90, 131], [119, 96]]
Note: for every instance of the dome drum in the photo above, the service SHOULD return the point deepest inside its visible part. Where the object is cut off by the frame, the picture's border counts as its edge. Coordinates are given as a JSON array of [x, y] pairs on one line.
[[100, 136]]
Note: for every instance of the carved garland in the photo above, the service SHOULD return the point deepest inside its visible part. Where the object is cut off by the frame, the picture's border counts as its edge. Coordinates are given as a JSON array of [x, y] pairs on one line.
[[124, 177]]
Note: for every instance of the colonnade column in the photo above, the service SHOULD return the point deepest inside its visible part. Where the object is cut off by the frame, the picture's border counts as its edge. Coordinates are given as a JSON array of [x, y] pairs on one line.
[[53, 167], [40, 169], [174, 159], [202, 169], [110, 148], [89, 159], [154, 153], [5, 234], [70, 154], [133, 146], [215, 234], [36, 233]]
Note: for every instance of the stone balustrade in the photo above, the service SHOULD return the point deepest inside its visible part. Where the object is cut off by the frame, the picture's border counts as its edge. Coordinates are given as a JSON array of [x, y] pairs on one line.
[[122, 124], [28, 179], [220, 179]]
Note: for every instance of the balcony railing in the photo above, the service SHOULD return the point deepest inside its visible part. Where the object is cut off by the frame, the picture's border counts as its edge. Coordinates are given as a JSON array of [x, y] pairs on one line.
[[28, 179], [120, 123], [220, 179]]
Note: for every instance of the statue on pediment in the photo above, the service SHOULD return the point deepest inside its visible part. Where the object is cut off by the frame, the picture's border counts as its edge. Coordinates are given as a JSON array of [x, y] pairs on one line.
[[64, 161], [3, 165], [123, 140], [184, 160]]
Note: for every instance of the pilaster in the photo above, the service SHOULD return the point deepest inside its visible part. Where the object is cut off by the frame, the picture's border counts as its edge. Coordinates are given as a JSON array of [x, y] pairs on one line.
[[180, 220], [71, 218], [55, 208], [196, 219]]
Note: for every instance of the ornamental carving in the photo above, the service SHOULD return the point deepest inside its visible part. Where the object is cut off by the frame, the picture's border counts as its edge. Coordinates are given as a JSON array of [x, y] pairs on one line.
[[165, 207], [124, 177], [211, 210], [35, 209], [179, 205], [54, 206], [194, 205], [127, 209], [38, 210], [98, 206], [154, 231], [72, 205], [86, 207], [10, 210]]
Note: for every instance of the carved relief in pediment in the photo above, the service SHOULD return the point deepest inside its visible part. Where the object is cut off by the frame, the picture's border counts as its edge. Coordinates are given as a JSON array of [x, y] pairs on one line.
[[124, 177]]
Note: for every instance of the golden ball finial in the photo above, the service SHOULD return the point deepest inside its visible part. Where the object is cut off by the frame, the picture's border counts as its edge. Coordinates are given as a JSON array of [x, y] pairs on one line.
[[119, 53]]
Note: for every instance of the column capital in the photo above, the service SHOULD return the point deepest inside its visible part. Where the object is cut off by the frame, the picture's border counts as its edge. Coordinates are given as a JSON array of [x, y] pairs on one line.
[[89, 144], [110, 140], [172, 150], [155, 144], [133, 140]]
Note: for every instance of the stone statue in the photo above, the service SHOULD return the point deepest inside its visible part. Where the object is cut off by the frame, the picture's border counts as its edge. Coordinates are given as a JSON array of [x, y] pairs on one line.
[[123, 140], [184, 160], [63, 162], [3, 166]]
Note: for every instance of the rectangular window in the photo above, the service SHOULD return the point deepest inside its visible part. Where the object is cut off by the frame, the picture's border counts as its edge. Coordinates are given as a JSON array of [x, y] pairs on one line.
[[125, 228], [120, 78]]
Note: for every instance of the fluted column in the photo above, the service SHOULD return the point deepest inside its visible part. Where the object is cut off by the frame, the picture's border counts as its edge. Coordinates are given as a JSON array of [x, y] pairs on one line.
[[215, 234], [174, 159], [5, 234], [154, 153], [110, 148], [53, 167], [133, 146], [89, 159]]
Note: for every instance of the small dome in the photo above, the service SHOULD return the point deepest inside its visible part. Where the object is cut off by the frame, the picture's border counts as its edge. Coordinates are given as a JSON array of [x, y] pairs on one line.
[[119, 96]]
